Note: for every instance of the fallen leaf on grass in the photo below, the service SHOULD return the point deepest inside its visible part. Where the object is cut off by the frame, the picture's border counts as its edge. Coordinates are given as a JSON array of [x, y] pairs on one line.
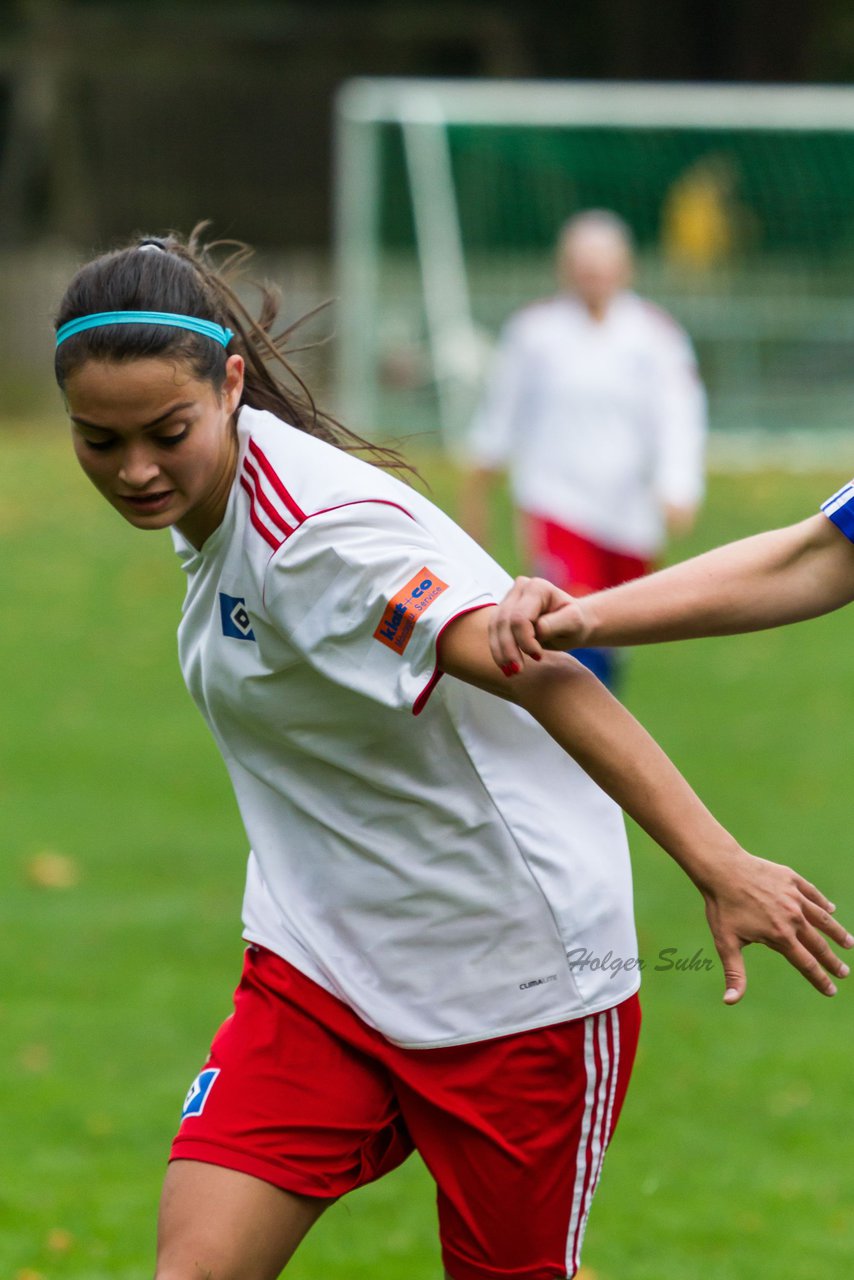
[[35, 1058], [59, 1240], [52, 871]]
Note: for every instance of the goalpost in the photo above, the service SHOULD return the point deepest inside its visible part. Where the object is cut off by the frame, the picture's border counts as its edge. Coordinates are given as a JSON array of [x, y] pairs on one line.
[[450, 194]]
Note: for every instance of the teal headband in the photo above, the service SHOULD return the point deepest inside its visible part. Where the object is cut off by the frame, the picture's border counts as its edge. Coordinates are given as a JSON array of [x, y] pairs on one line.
[[205, 327]]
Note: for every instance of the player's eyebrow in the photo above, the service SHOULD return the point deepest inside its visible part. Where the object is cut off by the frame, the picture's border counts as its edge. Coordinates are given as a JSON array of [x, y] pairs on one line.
[[147, 426]]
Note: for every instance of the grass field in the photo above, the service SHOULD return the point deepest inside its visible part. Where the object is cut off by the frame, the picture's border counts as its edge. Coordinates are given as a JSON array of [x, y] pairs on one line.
[[732, 1159]]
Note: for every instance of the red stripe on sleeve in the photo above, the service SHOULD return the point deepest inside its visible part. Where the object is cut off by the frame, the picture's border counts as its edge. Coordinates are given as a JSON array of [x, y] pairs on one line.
[[266, 466], [267, 534], [266, 505]]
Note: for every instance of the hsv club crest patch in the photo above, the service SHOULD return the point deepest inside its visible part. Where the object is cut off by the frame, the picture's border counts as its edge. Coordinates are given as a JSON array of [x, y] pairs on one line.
[[403, 610], [235, 619], [197, 1094]]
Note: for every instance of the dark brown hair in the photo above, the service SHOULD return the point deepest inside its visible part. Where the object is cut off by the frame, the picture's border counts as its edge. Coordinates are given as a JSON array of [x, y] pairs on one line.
[[171, 274]]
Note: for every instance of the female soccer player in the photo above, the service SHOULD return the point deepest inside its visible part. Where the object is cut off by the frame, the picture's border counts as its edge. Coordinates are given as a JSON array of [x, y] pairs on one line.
[[425, 855]]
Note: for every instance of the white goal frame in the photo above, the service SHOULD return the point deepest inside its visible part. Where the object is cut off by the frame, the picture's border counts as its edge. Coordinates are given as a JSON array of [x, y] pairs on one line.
[[423, 109]]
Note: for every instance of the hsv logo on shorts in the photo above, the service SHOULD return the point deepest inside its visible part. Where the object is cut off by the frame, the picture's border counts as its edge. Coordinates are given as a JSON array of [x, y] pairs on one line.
[[403, 610], [197, 1094], [236, 622]]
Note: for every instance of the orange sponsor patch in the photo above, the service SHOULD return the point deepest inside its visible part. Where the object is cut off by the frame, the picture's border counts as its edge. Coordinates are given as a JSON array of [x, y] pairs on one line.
[[403, 610]]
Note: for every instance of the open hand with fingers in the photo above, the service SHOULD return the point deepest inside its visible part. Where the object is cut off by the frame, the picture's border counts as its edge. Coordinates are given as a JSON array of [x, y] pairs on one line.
[[534, 616], [754, 900], [748, 899]]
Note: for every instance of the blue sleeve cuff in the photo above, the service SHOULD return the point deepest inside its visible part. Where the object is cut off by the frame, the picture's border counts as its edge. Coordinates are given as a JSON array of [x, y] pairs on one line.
[[840, 509]]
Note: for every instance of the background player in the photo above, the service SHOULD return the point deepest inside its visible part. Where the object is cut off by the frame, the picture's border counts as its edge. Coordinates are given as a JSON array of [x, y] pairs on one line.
[[414, 884], [595, 407]]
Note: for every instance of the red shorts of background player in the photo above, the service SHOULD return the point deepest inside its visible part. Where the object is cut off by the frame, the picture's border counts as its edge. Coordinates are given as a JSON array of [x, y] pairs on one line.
[[574, 563], [300, 1092]]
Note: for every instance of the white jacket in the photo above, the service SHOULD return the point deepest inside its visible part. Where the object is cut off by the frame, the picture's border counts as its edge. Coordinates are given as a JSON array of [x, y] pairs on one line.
[[601, 424]]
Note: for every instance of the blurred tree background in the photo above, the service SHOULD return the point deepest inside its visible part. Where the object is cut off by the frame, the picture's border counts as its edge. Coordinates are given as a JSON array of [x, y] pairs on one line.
[[125, 114], [121, 116]]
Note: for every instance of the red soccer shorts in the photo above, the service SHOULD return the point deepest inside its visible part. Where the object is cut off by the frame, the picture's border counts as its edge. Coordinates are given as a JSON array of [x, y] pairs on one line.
[[574, 563], [300, 1092]]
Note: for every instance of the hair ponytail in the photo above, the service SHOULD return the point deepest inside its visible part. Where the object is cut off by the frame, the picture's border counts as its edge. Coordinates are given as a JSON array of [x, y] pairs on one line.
[[169, 274]]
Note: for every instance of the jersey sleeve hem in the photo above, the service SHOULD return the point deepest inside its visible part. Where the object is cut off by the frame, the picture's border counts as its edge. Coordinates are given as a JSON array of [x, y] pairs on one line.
[[840, 510], [421, 701]]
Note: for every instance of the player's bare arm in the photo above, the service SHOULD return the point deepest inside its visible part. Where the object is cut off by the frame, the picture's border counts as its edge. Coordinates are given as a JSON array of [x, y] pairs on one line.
[[747, 899], [785, 575]]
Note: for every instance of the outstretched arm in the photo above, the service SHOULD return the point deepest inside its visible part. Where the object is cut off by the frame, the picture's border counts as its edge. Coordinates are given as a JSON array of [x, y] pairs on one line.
[[782, 576], [747, 899]]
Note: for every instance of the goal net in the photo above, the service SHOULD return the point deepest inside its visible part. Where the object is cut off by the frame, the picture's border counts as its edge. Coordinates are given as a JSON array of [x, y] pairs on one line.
[[450, 196]]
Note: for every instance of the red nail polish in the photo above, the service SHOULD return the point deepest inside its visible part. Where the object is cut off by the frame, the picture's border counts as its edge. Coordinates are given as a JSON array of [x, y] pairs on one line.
[[511, 668]]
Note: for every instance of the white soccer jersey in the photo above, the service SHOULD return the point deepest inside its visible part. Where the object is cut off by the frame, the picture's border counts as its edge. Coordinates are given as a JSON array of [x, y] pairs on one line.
[[432, 870], [600, 423]]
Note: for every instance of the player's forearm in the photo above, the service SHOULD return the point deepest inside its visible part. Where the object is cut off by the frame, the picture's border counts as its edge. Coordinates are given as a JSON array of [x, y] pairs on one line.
[[768, 580], [746, 899], [626, 762], [605, 739]]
